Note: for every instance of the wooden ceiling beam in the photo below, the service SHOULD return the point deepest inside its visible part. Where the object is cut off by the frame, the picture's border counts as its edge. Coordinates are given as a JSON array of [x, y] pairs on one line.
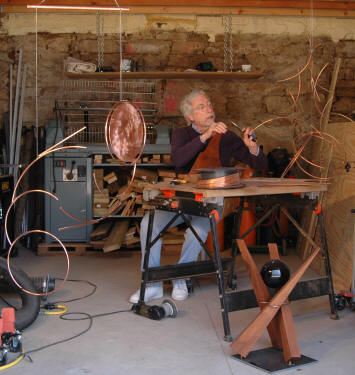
[[207, 7], [298, 4]]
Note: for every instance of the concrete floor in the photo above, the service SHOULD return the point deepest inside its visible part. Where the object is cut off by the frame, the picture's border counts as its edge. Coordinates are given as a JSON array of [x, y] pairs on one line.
[[192, 343]]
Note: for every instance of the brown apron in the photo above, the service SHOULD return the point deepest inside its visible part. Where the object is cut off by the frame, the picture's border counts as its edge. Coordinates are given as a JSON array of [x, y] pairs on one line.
[[209, 158]]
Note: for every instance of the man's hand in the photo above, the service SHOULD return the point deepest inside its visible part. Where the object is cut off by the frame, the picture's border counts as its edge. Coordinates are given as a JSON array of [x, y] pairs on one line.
[[248, 141], [216, 127]]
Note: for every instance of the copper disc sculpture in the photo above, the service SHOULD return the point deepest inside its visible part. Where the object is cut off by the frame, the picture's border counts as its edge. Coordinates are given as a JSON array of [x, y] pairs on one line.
[[125, 132]]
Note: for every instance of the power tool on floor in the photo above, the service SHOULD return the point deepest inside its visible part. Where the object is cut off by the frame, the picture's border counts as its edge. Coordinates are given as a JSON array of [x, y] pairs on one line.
[[167, 309], [10, 338]]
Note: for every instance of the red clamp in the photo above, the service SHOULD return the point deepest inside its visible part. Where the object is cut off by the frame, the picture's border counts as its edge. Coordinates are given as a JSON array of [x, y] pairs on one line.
[[216, 214], [174, 204], [318, 209], [7, 321], [169, 193], [198, 197]]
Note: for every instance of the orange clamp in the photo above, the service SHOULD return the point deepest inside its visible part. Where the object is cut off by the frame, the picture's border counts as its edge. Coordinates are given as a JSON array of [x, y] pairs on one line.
[[216, 214], [174, 204], [198, 197], [318, 209], [168, 193]]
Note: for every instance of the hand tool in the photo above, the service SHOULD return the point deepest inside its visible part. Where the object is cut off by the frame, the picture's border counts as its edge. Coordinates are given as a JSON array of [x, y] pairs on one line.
[[253, 136]]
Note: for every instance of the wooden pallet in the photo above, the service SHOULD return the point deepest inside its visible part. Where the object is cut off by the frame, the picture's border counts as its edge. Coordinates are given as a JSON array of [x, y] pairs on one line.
[[72, 248]]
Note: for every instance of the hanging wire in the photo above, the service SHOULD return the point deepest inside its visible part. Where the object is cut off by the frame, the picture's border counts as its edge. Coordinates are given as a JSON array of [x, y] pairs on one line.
[[225, 46], [230, 19], [36, 80], [120, 38], [36, 83], [100, 40]]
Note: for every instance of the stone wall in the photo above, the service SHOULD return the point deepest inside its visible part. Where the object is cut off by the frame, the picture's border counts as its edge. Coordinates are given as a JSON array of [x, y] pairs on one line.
[[248, 102]]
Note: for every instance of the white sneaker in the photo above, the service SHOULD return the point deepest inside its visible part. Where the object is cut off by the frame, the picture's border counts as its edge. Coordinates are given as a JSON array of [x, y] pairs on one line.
[[151, 292], [180, 291]]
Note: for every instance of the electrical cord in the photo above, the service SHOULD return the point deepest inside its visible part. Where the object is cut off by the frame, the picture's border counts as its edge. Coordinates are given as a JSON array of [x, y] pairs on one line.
[[63, 317], [26, 354], [78, 298], [48, 308], [63, 314]]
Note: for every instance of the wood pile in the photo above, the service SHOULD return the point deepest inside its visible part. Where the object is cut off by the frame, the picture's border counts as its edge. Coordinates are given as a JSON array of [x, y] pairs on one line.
[[110, 183], [114, 235]]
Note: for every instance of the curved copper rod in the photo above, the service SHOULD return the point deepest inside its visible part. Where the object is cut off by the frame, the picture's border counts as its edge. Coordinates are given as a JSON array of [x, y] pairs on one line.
[[294, 100], [312, 49], [293, 160], [41, 155], [9, 267], [329, 101], [299, 72], [316, 81], [309, 161], [333, 141], [96, 184], [341, 115], [108, 118], [15, 200], [269, 120], [314, 134], [115, 207], [129, 184]]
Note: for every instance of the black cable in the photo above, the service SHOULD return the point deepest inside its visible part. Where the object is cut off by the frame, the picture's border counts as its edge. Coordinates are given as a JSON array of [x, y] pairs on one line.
[[78, 298], [95, 316], [64, 340], [65, 315], [87, 317]]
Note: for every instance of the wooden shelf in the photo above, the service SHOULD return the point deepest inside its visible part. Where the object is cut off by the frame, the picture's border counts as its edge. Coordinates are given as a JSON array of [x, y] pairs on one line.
[[167, 75]]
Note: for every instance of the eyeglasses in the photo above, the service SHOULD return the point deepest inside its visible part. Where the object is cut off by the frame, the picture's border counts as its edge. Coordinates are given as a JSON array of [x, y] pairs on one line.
[[204, 107]]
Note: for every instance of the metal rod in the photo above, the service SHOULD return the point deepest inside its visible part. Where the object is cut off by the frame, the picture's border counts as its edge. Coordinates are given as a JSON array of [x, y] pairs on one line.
[[19, 124], [14, 123], [10, 124]]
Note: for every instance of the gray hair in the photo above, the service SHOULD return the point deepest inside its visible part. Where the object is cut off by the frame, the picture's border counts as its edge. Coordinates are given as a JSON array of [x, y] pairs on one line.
[[186, 106]]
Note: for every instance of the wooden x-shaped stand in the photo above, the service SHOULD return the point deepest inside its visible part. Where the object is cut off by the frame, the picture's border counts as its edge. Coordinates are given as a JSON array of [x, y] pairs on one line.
[[275, 314]]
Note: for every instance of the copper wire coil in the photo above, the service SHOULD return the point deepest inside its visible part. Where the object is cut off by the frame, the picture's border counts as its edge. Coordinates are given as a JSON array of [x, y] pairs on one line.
[[231, 180]]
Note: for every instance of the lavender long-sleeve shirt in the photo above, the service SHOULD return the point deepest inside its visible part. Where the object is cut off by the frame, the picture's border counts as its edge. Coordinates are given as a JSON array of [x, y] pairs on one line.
[[186, 146]]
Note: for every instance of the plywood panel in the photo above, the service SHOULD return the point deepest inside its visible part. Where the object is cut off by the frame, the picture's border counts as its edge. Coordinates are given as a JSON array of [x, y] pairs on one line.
[[339, 200]]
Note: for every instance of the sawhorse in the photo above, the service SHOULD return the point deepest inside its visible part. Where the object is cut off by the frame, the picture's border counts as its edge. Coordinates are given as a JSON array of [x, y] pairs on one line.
[[216, 265]]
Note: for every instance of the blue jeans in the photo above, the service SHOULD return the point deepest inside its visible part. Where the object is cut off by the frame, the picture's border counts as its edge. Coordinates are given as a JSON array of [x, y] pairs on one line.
[[191, 247]]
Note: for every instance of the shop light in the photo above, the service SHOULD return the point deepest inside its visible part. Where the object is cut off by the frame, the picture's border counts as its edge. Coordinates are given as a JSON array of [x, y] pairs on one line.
[[76, 7]]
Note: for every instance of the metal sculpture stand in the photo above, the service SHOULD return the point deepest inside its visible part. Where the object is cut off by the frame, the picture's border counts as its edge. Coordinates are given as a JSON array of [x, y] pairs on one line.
[[276, 316]]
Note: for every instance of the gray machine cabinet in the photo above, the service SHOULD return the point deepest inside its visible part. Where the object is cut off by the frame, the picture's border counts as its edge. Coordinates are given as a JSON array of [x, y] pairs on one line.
[[69, 177]]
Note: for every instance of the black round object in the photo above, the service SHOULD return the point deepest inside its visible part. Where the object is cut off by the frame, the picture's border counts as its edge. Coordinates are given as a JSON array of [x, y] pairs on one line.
[[275, 273], [278, 160], [339, 302]]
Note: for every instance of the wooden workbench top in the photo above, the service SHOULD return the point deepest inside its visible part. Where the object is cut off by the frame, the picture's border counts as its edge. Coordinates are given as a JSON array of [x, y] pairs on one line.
[[251, 186]]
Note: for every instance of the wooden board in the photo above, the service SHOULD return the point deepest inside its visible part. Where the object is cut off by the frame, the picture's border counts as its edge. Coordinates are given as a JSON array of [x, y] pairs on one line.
[[338, 202], [72, 248], [254, 186], [246, 340], [116, 237], [101, 231]]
